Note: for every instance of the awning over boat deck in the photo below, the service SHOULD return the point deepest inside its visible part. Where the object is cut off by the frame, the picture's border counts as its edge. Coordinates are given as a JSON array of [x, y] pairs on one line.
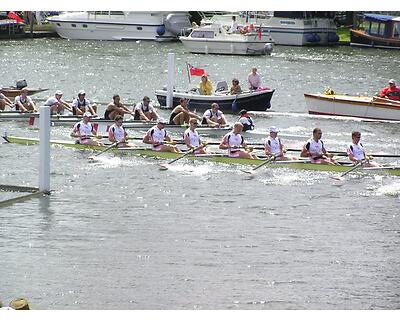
[[379, 17]]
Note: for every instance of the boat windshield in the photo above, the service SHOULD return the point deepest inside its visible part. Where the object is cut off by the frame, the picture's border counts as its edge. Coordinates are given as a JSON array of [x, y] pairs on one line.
[[106, 13], [202, 34]]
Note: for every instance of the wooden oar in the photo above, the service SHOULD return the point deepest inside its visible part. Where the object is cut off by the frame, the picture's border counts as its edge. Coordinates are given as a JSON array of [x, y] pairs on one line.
[[103, 151], [252, 171], [358, 165], [165, 166]]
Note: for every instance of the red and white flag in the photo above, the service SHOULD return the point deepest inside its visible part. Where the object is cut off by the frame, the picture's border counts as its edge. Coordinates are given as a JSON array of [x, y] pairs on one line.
[[195, 71]]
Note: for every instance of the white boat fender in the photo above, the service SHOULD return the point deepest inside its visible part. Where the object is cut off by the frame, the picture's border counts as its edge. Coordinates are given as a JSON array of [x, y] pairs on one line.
[[268, 47]]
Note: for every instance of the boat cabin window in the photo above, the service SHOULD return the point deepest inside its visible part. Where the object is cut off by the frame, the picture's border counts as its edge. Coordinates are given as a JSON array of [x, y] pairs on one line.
[[287, 22], [202, 34], [139, 28], [396, 30], [84, 25], [73, 25], [376, 28]]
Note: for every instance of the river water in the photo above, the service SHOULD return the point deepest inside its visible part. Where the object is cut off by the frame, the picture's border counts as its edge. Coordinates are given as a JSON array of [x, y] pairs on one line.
[[120, 234]]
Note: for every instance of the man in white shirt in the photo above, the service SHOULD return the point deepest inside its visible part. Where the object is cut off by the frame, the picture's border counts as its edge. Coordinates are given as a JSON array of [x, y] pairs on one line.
[[254, 79], [57, 105], [145, 111], [23, 103], [234, 26]]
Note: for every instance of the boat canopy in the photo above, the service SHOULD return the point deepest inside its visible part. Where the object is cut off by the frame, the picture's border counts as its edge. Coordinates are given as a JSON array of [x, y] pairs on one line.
[[378, 17]]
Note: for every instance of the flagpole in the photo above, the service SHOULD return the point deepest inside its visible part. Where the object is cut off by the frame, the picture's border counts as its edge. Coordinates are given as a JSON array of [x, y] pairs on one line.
[[188, 71]]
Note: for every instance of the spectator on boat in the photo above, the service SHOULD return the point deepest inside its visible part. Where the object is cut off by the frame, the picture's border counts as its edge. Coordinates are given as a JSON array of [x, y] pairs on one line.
[[391, 91], [23, 103], [192, 138], [254, 79], [194, 25], [181, 113], [356, 151], [5, 102], [117, 133], [246, 120], [205, 86], [56, 104], [274, 147], [235, 89], [81, 105], [157, 136], [315, 150], [234, 26], [145, 111], [233, 142], [84, 130], [115, 108], [214, 117]]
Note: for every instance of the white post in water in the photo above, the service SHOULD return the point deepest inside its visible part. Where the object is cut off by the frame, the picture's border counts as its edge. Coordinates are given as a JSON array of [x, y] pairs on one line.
[[44, 149], [171, 74]]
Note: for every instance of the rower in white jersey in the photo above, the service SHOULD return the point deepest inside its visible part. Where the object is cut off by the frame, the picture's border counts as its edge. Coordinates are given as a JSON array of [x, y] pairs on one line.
[[233, 141], [356, 151], [192, 138], [274, 147], [84, 130], [315, 150], [157, 136], [117, 133]]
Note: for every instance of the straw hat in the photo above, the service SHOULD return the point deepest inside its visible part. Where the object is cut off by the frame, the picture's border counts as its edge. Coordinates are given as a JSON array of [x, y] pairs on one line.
[[19, 304]]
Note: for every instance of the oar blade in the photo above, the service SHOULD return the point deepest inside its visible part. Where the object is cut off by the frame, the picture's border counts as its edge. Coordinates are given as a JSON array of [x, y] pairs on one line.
[[250, 172], [163, 166]]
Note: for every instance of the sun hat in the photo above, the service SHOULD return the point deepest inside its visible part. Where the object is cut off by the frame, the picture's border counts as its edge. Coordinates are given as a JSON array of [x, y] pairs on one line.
[[274, 129], [58, 93], [392, 81], [87, 114], [81, 92], [161, 120], [19, 304]]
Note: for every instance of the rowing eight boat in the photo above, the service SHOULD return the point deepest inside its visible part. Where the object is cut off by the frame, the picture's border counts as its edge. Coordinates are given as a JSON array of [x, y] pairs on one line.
[[220, 158]]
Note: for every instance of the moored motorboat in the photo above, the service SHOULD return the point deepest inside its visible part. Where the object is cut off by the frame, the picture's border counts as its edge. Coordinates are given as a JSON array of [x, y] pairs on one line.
[[353, 106], [214, 39], [259, 100], [382, 31], [295, 28], [121, 25], [219, 158]]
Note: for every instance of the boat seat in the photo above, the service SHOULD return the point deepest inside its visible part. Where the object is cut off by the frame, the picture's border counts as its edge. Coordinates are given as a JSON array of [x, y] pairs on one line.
[[221, 86]]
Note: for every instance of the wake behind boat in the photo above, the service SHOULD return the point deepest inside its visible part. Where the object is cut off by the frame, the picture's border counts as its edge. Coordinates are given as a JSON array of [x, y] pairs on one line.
[[353, 106], [219, 158]]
